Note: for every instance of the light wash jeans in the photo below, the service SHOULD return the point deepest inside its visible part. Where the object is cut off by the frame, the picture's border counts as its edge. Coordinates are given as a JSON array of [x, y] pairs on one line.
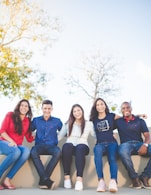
[[111, 150], [45, 149], [16, 156], [130, 148]]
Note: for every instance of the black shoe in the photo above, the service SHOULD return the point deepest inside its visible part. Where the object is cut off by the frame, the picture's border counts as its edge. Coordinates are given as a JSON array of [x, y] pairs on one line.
[[136, 183], [52, 185], [145, 183], [47, 184]]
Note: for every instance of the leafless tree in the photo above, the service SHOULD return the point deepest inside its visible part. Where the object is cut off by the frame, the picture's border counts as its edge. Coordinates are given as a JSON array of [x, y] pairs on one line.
[[95, 76]]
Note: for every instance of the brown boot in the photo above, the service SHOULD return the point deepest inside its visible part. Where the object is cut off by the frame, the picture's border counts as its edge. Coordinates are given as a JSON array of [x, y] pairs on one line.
[[145, 183], [136, 183]]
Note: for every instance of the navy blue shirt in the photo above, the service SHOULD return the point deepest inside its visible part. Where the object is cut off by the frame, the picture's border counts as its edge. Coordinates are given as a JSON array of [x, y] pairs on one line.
[[46, 130], [131, 130], [104, 128]]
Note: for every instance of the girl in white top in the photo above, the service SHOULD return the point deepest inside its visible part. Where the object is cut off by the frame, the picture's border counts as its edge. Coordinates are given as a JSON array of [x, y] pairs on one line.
[[77, 130]]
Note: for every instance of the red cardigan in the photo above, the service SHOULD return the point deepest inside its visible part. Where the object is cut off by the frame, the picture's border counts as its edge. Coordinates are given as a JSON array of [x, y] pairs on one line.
[[8, 127]]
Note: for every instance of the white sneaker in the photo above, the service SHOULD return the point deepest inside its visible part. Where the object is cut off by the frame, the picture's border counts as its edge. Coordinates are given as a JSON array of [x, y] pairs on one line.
[[101, 186], [67, 183], [79, 185], [113, 186]]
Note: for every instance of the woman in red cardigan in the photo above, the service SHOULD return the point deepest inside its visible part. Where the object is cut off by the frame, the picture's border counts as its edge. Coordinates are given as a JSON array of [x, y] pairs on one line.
[[15, 126]]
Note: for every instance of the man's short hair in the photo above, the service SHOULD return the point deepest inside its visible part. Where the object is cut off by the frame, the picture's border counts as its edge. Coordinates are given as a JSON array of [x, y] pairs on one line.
[[47, 102], [129, 103]]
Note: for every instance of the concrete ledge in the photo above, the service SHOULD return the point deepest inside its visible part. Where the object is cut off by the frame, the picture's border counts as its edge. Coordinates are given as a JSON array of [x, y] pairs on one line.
[[27, 176]]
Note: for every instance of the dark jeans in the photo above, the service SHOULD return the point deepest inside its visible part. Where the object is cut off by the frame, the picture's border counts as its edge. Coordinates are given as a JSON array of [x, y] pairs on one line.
[[45, 149], [79, 151], [131, 148]]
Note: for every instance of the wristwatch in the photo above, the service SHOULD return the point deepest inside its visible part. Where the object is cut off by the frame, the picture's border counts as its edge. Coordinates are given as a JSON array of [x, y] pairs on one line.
[[145, 144]]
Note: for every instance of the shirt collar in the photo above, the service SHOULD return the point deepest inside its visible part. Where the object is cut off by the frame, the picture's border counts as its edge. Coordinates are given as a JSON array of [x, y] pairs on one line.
[[129, 119], [50, 118]]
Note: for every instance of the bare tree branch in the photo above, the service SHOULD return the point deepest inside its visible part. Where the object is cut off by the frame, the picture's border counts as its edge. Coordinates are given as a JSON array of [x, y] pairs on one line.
[[95, 77]]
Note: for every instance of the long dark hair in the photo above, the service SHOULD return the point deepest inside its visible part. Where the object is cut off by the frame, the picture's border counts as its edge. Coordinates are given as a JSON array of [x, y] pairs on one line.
[[72, 119], [94, 112], [16, 117]]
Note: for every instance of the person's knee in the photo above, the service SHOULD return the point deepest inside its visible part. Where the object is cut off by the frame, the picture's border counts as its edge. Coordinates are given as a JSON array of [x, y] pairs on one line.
[[26, 150], [58, 153], [121, 148], [82, 149], [97, 150], [26, 153], [33, 152], [67, 146], [15, 152], [123, 152]]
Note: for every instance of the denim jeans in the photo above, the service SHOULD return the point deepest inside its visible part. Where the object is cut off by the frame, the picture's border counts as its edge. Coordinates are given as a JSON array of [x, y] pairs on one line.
[[16, 156], [130, 148], [45, 149], [111, 150], [79, 151]]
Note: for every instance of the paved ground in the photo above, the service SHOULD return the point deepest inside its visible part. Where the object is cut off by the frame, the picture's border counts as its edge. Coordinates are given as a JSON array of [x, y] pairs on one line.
[[62, 191]]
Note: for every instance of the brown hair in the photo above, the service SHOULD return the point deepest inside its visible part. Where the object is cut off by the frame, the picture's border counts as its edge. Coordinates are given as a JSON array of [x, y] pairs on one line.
[[72, 119], [94, 112], [16, 116]]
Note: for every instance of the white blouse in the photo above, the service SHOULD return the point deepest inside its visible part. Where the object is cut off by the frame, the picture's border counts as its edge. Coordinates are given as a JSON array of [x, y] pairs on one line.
[[76, 138]]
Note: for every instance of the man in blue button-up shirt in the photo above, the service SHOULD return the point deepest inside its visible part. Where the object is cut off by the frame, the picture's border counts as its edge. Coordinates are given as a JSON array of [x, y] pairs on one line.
[[46, 127]]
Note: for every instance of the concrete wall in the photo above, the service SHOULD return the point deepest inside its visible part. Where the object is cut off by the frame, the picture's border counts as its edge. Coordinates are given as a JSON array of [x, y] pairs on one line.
[[28, 177]]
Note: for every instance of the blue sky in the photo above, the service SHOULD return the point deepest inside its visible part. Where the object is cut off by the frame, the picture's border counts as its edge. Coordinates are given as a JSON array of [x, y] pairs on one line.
[[120, 27]]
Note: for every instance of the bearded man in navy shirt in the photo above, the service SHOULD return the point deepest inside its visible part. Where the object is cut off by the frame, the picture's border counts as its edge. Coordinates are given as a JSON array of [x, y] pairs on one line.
[[131, 129]]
